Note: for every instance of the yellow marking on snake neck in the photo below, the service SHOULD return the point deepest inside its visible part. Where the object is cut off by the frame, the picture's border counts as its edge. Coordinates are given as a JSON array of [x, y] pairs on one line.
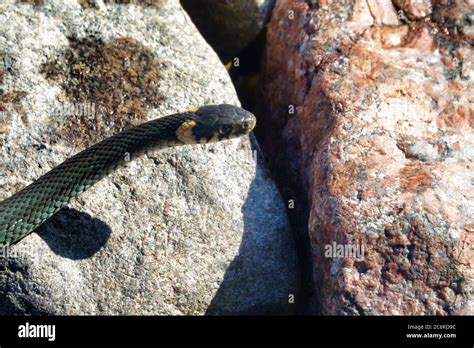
[[184, 132], [193, 110]]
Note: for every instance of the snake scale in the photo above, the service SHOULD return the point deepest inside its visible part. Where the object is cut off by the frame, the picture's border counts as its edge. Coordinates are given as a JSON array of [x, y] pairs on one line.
[[27, 209]]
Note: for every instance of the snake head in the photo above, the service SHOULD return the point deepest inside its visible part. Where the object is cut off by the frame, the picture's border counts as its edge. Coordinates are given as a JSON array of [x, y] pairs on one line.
[[217, 122]]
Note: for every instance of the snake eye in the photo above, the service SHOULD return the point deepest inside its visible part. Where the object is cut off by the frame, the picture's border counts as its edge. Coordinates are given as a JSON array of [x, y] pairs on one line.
[[225, 130]]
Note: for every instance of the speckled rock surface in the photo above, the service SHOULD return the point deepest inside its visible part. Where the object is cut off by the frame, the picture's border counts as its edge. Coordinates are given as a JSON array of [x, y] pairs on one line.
[[184, 231], [381, 141], [229, 26]]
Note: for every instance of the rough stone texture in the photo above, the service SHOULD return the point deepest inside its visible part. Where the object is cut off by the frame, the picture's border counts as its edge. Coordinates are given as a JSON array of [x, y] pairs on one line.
[[382, 144], [229, 26], [184, 231], [414, 9]]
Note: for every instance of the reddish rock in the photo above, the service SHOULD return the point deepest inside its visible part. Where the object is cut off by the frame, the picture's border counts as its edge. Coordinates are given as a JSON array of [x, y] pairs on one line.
[[381, 144], [414, 9]]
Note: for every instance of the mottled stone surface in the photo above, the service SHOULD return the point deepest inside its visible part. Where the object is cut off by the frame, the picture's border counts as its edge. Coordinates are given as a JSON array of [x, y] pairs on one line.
[[381, 141], [188, 230], [229, 26], [414, 9]]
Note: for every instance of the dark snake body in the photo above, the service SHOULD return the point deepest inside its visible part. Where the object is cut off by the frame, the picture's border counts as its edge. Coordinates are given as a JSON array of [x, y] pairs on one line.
[[23, 212]]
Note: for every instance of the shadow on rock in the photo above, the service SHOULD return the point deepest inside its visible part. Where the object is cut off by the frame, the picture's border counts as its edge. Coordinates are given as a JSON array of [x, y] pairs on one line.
[[74, 234], [265, 273]]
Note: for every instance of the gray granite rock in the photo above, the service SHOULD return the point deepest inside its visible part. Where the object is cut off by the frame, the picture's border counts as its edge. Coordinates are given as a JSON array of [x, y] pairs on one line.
[[187, 230]]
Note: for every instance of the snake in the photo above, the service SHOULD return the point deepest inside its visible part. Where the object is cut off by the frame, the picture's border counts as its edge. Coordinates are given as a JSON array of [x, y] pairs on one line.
[[29, 208]]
